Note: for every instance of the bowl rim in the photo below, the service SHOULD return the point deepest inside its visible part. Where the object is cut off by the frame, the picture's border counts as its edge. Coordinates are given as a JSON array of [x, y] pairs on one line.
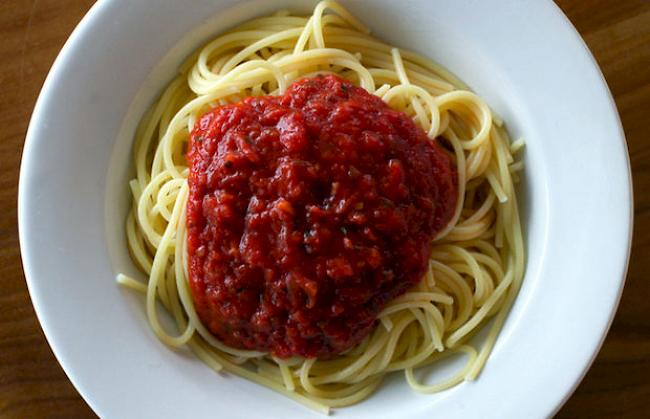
[[630, 219]]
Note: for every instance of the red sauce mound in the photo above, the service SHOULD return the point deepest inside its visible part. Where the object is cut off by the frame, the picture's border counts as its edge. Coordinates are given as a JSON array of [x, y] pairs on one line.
[[307, 213]]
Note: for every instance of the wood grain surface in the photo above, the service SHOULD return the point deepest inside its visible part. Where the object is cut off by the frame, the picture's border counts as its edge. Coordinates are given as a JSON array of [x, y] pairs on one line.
[[33, 385]]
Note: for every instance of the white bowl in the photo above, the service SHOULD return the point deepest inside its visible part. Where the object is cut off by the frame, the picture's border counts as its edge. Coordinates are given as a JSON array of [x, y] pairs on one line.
[[524, 58]]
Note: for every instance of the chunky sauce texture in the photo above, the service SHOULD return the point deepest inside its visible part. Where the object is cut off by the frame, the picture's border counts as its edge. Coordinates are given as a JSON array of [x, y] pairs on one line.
[[307, 213]]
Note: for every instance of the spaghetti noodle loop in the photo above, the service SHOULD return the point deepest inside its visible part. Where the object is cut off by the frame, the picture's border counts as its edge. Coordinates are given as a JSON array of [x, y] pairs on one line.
[[477, 261]]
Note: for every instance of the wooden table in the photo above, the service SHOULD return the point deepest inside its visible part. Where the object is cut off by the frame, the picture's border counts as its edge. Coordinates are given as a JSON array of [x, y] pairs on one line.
[[32, 384]]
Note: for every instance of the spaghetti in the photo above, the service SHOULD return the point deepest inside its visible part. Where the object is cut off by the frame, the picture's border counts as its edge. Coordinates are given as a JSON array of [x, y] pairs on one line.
[[477, 260]]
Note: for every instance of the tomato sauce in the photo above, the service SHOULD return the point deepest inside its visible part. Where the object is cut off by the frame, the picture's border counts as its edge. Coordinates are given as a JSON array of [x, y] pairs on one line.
[[307, 213]]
